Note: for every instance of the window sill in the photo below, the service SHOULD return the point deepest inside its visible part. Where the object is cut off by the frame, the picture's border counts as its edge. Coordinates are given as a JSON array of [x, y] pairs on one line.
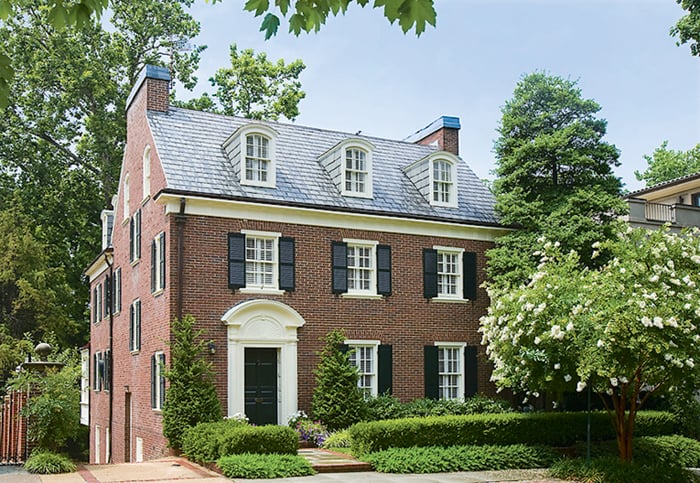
[[267, 291], [135, 352], [372, 296], [158, 292], [145, 200], [135, 262], [448, 300]]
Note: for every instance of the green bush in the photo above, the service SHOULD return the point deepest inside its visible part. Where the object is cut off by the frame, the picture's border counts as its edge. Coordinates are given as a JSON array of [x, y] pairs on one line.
[[612, 470], [47, 463], [388, 407], [254, 466], [207, 442], [550, 429], [671, 450], [339, 439], [436, 459]]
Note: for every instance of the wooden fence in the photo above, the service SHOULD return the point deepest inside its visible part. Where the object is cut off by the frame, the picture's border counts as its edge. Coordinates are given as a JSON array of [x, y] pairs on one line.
[[14, 447]]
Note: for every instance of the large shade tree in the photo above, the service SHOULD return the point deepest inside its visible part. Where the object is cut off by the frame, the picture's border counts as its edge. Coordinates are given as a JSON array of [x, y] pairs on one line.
[[666, 164], [627, 330], [554, 174]]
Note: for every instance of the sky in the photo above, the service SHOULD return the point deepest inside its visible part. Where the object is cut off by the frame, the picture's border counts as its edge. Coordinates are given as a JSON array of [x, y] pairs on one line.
[[364, 74]]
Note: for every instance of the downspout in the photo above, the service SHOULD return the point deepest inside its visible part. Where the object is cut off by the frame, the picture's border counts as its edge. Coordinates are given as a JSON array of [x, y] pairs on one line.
[[111, 356], [180, 219]]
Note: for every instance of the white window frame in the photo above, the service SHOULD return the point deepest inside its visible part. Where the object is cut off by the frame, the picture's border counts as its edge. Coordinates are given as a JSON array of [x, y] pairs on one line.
[[126, 197], [273, 287], [98, 303], [159, 398], [459, 274], [146, 173], [134, 323], [135, 233], [117, 291], [366, 148], [257, 129], [353, 244], [443, 372], [84, 387], [160, 260], [371, 346], [443, 188]]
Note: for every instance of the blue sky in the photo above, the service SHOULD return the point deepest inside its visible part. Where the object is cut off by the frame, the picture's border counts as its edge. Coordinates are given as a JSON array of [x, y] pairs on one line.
[[364, 74]]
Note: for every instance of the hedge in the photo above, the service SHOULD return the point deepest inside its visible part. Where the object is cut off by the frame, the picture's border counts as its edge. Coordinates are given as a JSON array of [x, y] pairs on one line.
[[550, 429], [207, 442], [255, 466]]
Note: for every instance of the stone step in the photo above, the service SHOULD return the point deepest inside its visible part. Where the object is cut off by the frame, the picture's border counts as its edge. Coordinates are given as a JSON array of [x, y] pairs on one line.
[[324, 461]]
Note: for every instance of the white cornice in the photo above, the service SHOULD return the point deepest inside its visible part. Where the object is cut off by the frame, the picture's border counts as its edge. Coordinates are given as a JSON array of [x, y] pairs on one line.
[[202, 206], [98, 266]]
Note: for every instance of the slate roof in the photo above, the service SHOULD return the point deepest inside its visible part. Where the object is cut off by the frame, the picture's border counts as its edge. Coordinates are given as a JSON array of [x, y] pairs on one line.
[[189, 145]]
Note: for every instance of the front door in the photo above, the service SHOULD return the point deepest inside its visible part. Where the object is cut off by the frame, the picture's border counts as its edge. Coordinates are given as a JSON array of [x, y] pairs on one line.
[[261, 385]]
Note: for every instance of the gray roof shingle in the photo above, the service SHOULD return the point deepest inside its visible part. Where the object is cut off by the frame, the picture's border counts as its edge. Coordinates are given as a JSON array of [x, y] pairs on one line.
[[189, 145]]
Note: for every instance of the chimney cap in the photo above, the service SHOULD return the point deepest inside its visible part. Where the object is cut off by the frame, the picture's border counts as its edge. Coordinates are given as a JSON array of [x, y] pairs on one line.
[[449, 122], [149, 71]]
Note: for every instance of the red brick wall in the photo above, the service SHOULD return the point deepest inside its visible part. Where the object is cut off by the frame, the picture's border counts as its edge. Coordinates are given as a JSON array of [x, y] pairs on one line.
[[447, 140]]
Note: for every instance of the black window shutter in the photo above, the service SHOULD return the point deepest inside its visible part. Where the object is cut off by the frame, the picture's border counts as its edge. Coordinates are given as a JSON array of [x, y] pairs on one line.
[[470, 371], [286, 255], [153, 380], [161, 266], [132, 323], [340, 267], [162, 380], [138, 234], [94, 372], [108, 295], [384, 366], [430, 366], [154, 263], [108, 370], [429, 273], [138, 325], [236, 260], [383, 270], [132, 239], [470, 278]]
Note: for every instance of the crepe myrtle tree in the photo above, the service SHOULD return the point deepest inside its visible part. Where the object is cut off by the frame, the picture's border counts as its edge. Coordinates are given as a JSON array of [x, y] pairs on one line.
[[627, 330]]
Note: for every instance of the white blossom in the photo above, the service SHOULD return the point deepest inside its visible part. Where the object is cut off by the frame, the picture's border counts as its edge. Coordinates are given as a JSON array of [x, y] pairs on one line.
[[580, 386], [659, 322], [556, 332], [646, 321], [600, 343], [613, 381], [570, 326], [557, 366], [654, 278], [567, 377], [537, 340]]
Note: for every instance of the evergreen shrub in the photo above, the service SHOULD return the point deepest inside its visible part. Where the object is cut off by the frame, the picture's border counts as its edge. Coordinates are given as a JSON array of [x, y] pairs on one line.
[[254, 466]]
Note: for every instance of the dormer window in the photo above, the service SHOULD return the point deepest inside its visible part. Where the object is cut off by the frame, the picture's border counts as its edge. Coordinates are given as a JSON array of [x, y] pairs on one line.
[[350, 165], [251, 149], [443, 184], [435, 176]]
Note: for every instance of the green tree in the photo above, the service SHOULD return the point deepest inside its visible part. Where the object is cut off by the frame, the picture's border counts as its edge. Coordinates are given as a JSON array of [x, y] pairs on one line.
[[191, 396], [554, 174], [337, 400], [254, 87], [687, 29], [628, 330], [667, 164]]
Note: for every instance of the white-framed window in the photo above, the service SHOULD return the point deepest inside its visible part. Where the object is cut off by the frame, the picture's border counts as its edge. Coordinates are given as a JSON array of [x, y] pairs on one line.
[[135, 326], [450, 370], [98, 303], [362, 274], [127, 196], [261, 260], [135, 237], [117, 291], [157, 380], [443, 183], [257, 159], [251, 150], [146, 173], [363, 355], [356, 171], [449, 272], [84, 387], [158, 263]]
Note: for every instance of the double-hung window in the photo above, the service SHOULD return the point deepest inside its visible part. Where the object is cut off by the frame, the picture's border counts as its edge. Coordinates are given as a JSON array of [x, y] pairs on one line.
[[450, 370], [361, 268], [158, 263], [449, 274], [117, 291], [135, 326], [98, 303], [363, 355], [135, 237], [261, 261], [257, 159], [157, 380], [443, 183], [356, 171]]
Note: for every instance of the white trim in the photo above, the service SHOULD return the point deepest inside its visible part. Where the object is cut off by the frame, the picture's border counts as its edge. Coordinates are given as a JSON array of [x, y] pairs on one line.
[[367, 148], [374, 345], [460, 383], [146, 174], [371, 292], [459, 296], [263, 323], [127, 197], [232, 209], [262, 234], [98, 267], [241, 134], [452, 184]]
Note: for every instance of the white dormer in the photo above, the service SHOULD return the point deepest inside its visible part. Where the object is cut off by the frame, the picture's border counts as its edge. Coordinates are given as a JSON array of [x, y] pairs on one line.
[[349, 164], [251, 149], [435, 176], [107, 217]]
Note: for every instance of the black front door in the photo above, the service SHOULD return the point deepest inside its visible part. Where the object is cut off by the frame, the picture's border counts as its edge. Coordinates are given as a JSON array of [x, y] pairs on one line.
[[261, 385]]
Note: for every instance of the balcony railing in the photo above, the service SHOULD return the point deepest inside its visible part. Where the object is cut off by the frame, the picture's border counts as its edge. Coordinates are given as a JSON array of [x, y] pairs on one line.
[[644, 213], [659, 212]]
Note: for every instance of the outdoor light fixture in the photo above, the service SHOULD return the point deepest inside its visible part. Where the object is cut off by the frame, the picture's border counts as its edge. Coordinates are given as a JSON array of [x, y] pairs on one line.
[[211, 347]]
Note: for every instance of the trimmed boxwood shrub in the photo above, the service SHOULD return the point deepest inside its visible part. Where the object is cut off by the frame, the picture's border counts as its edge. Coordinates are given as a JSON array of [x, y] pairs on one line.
[[550, 429], [264, 466], [207, 442], [436, 459], [389, 407]]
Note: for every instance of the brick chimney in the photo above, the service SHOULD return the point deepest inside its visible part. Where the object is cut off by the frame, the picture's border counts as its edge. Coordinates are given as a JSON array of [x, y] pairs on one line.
[[153, 82], [442, 133]]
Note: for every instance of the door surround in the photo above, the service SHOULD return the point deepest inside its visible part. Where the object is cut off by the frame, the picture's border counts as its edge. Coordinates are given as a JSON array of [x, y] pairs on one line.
[[263, 323]]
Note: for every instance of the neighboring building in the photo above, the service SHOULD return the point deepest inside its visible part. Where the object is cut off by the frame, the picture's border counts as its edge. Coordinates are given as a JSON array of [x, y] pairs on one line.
[[676, 202], [271, 235]]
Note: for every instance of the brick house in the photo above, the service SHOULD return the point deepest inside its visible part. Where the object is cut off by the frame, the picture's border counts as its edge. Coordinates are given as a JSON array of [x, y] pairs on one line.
[[271, 235]]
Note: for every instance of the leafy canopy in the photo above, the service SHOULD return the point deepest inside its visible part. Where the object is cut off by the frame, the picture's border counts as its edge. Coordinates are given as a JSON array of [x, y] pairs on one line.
[[554, 174], [687, 29], [627, 330], [667, 164]]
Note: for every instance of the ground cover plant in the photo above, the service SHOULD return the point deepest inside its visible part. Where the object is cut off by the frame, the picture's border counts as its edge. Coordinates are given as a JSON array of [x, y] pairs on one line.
[[437, 459], [611, 469], [47, 463], [254, 466]]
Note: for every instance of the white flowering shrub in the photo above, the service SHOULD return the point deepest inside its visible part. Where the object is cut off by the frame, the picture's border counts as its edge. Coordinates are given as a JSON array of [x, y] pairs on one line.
[[627, 330]]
